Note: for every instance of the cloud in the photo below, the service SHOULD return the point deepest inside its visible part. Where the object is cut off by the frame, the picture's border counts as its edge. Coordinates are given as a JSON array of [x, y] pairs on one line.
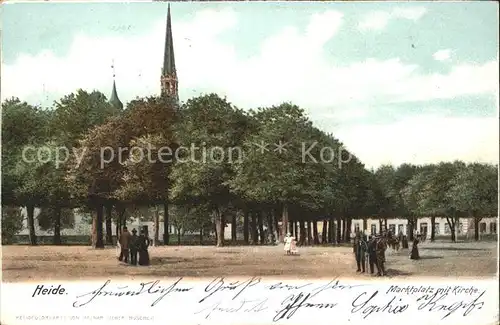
[[291, 65], [442, 55], [424, 139], [378, 20]]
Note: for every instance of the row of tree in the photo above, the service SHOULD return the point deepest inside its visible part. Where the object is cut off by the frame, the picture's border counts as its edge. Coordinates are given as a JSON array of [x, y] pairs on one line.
[[116, 161]]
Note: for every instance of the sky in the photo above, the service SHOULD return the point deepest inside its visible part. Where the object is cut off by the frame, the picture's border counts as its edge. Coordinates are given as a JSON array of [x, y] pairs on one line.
[[411, 82]]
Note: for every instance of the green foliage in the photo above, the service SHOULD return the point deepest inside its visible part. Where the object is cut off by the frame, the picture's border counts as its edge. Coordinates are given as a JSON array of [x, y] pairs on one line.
[[211, 167], [47, 218]]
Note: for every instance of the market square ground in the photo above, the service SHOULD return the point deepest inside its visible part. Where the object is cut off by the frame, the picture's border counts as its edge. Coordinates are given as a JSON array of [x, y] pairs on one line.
[[439, 259]]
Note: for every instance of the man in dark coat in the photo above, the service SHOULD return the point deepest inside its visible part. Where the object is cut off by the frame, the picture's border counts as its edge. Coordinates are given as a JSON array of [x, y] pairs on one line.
[[372, 256], [124, 244], [142, 245], [133, 247], [361, 248]]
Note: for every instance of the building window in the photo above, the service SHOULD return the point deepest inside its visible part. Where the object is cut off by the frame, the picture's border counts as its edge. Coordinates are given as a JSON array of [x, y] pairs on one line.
[[373, 229], [436, 228], [447, 228], [482, 227], [493, 228], [392, 228], [423, 228], [356, 227], [401, 229]]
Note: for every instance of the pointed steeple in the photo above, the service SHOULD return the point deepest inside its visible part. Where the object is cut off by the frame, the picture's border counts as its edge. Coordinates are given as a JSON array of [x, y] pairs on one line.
[[114, 100], [169, 82], [168, 55]]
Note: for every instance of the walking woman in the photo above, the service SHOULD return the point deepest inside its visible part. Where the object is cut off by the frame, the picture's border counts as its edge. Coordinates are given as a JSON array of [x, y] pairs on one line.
[[143, 244], [414, 249]]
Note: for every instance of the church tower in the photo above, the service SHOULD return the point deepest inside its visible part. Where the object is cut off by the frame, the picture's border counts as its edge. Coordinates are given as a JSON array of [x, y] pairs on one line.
[[169, 82], [114, 100]]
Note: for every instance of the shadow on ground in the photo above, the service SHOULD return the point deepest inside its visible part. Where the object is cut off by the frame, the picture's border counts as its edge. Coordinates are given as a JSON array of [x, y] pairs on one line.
[[430, 257], [452, 249], [393, 273]]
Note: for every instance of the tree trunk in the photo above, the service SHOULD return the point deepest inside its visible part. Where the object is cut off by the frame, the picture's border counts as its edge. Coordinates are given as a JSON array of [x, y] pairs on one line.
[[433, 230], [348, 229], [99, 242], [216, 231], [156, 222], [339, 230], [178, 230], [381, 224], [276, 223], [290, 227], [30, 212], [245, 227], [284, 222], [302, 232], [309, 233], [330, 229], [344, 229], [476, 228], [324, 238], [166, 234], [57, 226], [365, 224], [385, 224], [220, 228], [255, 234], [271, 227], [201, 236], [109, 225], [451, 223], [117, 228], [261, 228], [315, 233], [233, 228]]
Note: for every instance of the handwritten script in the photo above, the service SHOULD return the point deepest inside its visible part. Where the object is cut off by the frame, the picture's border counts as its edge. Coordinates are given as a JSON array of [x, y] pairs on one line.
[[223, 299]]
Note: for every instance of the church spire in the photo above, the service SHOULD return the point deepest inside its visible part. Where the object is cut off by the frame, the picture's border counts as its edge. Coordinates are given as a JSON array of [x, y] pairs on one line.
[[169, 83], [114, 100]]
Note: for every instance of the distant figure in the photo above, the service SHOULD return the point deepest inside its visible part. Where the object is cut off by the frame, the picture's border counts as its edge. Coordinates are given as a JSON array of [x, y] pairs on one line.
[[142, 245], [372, 255], [133, 247], [124, 244], [405, 242], [414, 249]]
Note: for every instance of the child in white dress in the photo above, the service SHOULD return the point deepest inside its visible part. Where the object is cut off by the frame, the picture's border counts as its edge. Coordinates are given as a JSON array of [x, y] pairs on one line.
[[290, 245]]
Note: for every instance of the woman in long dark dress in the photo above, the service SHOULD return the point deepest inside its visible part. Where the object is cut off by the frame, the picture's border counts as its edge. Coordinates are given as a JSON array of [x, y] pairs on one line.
[[414, 249], [143, 244]]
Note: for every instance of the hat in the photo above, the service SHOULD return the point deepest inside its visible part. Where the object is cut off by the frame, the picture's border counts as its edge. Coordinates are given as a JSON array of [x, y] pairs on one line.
[[134, 231]]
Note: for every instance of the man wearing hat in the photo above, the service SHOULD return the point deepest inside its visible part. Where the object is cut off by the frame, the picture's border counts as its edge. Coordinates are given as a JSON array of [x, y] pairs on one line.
[[133, 247]]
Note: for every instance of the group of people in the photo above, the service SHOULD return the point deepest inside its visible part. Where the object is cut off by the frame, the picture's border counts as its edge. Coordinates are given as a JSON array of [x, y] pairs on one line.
[[132, 245], [372, 250], [290, 245]]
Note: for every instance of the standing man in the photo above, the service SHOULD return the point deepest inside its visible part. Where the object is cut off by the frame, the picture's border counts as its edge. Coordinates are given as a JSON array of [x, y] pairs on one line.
[[133, 247], [361, 250], [380, 249], [124, 243], [372, 255]]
